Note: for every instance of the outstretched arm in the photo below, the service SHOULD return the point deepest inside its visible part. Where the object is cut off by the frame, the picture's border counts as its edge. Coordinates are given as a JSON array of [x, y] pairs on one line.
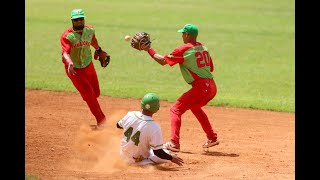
[[69, 63], [94, 43], [163, 155], [158, 57]]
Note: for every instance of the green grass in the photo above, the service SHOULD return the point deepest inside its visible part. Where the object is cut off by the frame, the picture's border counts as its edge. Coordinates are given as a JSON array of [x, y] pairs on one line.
[[252, 43], [31, 177]]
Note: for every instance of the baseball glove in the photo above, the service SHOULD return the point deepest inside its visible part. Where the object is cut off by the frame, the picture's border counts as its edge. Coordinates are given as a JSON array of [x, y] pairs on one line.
[[140, 40], [102, 56]]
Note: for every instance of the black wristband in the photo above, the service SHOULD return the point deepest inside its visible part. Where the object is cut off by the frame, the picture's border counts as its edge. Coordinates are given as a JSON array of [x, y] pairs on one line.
[[119, 126], [162, 154], [99, 50]]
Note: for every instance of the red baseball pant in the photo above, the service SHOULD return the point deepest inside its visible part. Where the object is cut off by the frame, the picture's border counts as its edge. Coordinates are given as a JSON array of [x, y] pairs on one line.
[[86, 82], [199, 95]]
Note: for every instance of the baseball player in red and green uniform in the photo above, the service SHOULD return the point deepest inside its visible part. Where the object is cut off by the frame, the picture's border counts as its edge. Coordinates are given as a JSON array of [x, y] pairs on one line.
[[196, 66], [77, 59]]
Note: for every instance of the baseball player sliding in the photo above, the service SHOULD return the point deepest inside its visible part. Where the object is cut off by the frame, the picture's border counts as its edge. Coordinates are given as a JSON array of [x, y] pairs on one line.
[[141, 142]]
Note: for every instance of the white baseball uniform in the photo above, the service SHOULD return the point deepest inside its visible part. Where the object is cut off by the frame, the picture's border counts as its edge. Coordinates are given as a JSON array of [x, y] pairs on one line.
[[141, 135]]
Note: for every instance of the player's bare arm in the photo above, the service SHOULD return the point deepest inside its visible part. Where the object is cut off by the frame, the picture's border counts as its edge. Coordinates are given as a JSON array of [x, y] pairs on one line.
[[94, 43], [67, 57], [163, 155], [160, 59], [157, 57]]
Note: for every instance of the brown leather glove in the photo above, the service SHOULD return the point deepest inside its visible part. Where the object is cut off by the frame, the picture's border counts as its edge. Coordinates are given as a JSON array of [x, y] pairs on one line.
[[102, 56], [140, 40]]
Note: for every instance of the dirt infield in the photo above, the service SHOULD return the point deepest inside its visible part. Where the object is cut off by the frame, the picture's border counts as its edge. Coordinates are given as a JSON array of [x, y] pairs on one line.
[[59, 144]]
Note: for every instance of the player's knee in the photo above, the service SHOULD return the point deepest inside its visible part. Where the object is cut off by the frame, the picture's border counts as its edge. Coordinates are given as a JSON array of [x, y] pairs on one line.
[[196, 111], [87, 95], [174, 110], [177, 110]]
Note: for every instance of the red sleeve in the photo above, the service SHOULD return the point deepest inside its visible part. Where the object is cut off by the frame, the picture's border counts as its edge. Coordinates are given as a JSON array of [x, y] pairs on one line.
[[211, 65], [65, 43], [177, 55]]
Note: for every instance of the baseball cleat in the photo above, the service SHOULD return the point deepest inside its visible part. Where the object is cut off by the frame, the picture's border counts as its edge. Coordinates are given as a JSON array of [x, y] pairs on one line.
[[172, 146], [97, 127], [210, 143]]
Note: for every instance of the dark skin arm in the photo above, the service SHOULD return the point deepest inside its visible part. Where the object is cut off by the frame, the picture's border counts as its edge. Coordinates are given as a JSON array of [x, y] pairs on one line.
[[94, 43], [157, 57], [163, 155], [119, 126]]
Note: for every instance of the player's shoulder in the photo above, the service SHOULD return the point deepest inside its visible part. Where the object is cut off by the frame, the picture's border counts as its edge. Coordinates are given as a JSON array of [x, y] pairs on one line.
[[129, 114], [184, 47], [154, 125], [67, 31], [133, 112], [200, 44], [89, 26], [132, 115]]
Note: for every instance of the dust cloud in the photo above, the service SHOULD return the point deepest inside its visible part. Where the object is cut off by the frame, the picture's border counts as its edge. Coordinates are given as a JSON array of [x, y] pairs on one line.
[[98, 150]]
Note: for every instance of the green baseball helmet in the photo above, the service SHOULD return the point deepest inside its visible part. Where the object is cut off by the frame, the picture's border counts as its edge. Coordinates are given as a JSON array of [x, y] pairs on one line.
[[150, 102]]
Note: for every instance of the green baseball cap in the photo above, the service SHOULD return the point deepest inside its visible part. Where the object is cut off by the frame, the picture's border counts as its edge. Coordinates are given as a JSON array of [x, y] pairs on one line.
[[77, 13], [190, 29]]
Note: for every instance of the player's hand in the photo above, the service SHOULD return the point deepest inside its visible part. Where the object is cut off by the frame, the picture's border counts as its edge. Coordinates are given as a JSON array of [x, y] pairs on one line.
[[146, 47], [177, 160], [71, 71]]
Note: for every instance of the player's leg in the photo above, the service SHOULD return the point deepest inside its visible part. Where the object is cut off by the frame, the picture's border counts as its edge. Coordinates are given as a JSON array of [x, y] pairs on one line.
[[126, 158], [204, 122], [212, 138], [184, 103], [93, 78], [210, 92], [83, 86], [94, 83], [206, 90]]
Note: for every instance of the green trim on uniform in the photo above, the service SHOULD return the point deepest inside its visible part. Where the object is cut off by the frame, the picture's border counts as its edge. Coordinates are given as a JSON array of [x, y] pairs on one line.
[[141, 118], [80, 51], [190, 63]]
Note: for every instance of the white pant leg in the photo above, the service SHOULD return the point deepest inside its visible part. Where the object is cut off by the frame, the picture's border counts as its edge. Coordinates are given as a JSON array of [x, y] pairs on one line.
[[145, 162]]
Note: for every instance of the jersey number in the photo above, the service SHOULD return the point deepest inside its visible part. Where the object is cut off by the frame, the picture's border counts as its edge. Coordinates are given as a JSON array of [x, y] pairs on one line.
[[202, 59], [134, 138]]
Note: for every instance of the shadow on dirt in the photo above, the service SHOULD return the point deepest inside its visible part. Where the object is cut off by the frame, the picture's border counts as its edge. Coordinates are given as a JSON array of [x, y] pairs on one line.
[[186, 152], [214, 153], [162, 168]]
